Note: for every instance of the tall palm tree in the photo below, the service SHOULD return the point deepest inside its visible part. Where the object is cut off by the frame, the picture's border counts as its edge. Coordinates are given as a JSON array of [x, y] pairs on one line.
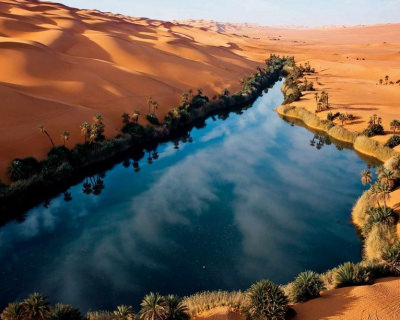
[[342, 118], [149, 100], [44, 131], [124, 312], [85, 130], [387, 177], [176, 309], [394, 125], [153, 307], [155, 106], [316, 96], [65, 136], [36, 307], [135, 116], [13, 311], [366, 177]]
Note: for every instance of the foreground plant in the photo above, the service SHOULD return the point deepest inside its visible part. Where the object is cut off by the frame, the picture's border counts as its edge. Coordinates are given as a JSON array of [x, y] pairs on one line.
[[13, 311], [36, 307], [65, 312], [306, 286], [350, 274], [153, 307], [176, 309], [267, 301], [124, 312]]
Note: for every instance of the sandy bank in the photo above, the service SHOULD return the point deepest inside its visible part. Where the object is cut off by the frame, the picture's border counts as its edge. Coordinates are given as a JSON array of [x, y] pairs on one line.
[[352, 303]]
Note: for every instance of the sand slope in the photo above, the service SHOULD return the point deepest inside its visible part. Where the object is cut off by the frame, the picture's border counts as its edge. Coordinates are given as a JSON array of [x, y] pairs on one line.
[[60, 66], [378, 301]]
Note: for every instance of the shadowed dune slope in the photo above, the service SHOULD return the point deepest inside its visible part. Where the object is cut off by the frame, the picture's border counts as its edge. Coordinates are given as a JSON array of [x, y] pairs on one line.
[[60, 66]]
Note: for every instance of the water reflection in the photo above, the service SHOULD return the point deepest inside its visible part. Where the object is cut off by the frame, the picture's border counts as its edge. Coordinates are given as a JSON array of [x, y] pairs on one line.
[[241, 199]]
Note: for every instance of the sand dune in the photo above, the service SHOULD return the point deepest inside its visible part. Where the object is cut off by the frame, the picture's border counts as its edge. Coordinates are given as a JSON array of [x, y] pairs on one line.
[[61, 65]]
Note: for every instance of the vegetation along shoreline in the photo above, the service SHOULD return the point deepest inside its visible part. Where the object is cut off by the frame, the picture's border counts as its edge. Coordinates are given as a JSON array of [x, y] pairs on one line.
[[32, 182], [264, 299]]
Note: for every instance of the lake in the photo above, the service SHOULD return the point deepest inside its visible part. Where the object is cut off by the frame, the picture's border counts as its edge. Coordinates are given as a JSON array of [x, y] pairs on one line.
[[249, 196]]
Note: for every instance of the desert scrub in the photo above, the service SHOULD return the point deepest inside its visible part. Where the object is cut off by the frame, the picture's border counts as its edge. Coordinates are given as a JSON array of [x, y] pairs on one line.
[[207, 300], [374, 148], [350, 274], [342, 134], [359, 212], [391, 256], [306, 286], [100, 315], [393, 141], [380, 215], [380, 237], [267, 301]]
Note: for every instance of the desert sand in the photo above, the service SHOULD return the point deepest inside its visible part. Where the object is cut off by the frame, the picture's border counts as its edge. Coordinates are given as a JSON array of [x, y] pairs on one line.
[[60, 66], [377, 301]]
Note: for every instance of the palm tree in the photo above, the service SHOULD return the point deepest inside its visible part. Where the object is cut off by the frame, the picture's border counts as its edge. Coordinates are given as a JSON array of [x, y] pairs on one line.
[[36, 307], [342, 118], [13, 311], [155, 106], [380, 81], [44, 131], [176, 310], [387, 178], [384, 193], [316, 96], [124, 313], [65, 312], [65, 136], [153, 307], [394, 125], [85, 130], [149, 100], [366, 177], [135, 116], [386, 79]]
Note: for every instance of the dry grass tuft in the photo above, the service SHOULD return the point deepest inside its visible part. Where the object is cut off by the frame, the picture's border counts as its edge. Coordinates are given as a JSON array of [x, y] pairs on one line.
[[380, 237], [371, 147], [342, 134], [207, 300], [359, 210], [100, 315]]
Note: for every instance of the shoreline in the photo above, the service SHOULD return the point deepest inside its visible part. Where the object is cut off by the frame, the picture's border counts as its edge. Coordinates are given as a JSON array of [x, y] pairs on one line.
[[300, 113], [73, 165]]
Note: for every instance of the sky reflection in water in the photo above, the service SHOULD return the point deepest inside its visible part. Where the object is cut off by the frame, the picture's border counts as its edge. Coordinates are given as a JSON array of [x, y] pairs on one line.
[[248, 199]]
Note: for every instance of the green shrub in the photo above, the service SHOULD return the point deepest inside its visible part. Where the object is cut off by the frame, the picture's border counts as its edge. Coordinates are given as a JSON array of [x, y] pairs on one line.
[[393, 141], [379, 215], [374, 130], [23, 168], [152, 118], [267, 301], [350, 274], [306, 286], [392, 255], [65, 312]]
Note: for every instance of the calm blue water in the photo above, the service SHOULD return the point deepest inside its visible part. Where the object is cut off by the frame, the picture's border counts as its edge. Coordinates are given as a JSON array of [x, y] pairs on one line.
[[249, 198]]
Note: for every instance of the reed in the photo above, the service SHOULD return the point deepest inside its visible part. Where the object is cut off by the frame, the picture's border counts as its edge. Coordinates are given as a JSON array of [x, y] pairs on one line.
[[373, 148], [207, 300]]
